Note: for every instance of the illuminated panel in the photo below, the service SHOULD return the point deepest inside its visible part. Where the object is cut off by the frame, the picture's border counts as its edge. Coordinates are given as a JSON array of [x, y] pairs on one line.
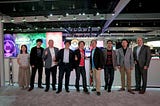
[[56, 37]]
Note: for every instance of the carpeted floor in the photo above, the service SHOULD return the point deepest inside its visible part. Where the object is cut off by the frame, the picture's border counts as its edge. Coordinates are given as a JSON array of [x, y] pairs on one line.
[[14, 96]]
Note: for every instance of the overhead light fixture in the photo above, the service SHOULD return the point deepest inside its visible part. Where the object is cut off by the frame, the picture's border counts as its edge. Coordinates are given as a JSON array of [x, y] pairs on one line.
[[102, 17], [35, 19], [28, 28], [52, 7], [97, 13], [33, 8], [73, 6], [12, 29], [36, 28], [83, 14], [2, 20], [67, 14], [51, 14], [59, 18], [79, 14], [113, 13], [116, 24], [74, 18], [24, 19], [14, 9], [52, 27], [88, 17], [12, 20], [95, 5], [4, 29], [44, 28]]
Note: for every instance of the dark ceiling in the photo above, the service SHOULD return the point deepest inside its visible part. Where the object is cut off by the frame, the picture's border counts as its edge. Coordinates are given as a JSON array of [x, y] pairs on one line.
[[26, 8]]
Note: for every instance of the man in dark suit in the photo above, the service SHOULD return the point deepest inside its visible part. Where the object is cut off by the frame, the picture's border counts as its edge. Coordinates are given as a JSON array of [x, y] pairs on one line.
[[80, 66], [97, 63], [49, 56], [65, 57], [142, 57], [36, 62]]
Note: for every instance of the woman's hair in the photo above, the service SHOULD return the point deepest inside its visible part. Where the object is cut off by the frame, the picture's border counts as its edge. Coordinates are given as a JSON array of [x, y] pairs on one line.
[[21, 49]]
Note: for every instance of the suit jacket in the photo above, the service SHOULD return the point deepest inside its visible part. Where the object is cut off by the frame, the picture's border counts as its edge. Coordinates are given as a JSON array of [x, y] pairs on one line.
[[144, 56], [48, 58], [77, 53], [126, 60], [114, 59], [34, 60], [98, 58], [59, 58]]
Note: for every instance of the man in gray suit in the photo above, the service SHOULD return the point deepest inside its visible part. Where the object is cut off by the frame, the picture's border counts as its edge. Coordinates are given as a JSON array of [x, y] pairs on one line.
[[125, 64], [142, 58], [49, 56]]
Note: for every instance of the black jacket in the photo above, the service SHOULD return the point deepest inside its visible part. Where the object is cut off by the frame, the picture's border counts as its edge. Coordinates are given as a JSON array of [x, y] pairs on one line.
[[59, 58], [98, 58], [34, 59]]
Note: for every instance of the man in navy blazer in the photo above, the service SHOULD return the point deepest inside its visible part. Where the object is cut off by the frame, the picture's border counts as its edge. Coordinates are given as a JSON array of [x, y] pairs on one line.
[[36, 62], [49, 56], [97, 64], [65, 59], [142, 57]]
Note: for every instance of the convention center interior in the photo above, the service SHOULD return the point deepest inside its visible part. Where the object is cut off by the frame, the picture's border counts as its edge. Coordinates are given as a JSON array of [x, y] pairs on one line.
[[25, 22]]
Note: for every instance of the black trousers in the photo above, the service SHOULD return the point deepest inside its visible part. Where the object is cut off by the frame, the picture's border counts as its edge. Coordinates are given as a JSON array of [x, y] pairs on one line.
[[108, 77], [53, 71], [82, 71], [140, 73], [34, 70], [64, 69]]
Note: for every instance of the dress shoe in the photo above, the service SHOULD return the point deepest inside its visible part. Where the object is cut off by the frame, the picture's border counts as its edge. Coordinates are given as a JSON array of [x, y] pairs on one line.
[[94, 89], [86, 91], [46, 90], [40, 87], [53, 88], [136, 89], [130, 91], [58, 92], [98, 93], [105, 87], [30, 89], [141, 92], [67, 90], [121, 89], [109, 90]]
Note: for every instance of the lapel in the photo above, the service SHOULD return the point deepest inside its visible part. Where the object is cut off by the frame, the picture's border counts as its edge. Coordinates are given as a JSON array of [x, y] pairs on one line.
[[141, 50]]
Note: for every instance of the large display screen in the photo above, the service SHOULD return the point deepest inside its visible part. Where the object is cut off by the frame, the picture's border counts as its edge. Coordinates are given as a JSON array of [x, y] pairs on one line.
[[13, 42]]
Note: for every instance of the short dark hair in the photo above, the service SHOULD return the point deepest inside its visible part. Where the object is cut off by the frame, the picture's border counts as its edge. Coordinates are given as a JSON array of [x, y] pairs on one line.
[[39, 40], [109, 41], [124, 40], [67, 41], [81, 42]]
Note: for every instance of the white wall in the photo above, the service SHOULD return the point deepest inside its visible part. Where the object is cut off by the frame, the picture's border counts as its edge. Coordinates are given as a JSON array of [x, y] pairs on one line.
[[153, 74]]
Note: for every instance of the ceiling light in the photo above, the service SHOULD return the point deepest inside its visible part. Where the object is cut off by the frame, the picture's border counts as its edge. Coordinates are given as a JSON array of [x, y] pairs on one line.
[[44, 28], [24, 20], [33, 8], [12, 29], [102, 17], [59, 18], [12, 20], [2, 20], [88, 17], [52, 7], [116, 24], [52, 27], [97, 13], [67, 14], [35, 19], [14, 9], [74, 18], [36, 28], [79, 14], [73, 6], [51, 15], [113, 13], [83, 14], [4, 29]]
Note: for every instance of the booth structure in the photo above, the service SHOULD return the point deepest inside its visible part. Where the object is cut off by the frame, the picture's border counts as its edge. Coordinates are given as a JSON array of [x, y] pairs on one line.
[[153, 74]]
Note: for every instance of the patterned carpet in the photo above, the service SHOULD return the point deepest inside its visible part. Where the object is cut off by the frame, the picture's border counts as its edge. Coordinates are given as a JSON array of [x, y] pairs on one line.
[[14, 96]]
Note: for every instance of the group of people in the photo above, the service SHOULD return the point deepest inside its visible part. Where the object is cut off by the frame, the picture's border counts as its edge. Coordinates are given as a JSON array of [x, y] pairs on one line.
[[67, 60]]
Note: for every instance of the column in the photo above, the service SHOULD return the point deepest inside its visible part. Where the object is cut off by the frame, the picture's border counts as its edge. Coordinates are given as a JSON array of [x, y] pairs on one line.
[[2, 78]]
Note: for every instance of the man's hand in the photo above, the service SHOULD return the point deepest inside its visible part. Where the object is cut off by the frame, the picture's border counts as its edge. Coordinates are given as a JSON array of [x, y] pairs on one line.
[[145, 67]]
